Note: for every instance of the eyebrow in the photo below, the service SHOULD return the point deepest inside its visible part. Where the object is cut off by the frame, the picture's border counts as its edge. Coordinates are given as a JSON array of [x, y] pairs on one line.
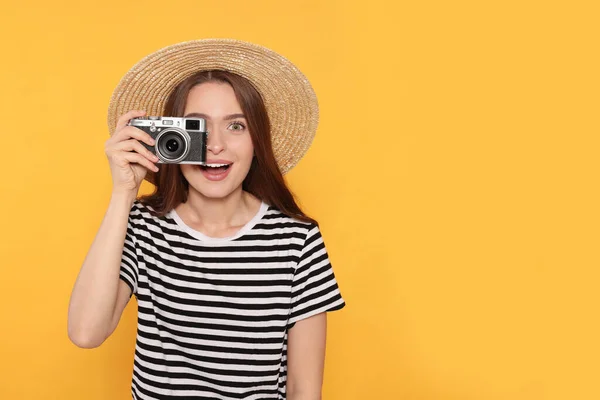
[[227, 117]]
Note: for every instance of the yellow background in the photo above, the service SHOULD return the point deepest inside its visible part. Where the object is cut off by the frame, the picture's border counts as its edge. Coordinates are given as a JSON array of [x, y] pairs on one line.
[[454, 174]]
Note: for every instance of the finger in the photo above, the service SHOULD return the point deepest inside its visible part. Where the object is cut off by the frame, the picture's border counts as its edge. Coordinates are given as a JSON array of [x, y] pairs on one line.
[[131, 132], [141, 160], [124, 119], [134, 145]]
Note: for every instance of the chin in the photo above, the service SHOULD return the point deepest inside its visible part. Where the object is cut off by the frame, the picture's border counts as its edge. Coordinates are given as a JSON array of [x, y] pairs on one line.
[[212, 190], [212, 193]]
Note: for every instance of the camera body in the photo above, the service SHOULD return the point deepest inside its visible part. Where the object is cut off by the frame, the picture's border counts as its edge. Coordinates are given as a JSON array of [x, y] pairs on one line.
[[178, 140]]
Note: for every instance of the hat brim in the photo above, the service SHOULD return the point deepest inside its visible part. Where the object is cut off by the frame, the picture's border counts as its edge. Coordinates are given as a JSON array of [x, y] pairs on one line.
[[289, 98]]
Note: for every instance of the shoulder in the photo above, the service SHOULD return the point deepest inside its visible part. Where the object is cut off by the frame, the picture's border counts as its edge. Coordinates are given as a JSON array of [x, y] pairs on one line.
[[142, 213], [275, 219], [143, 221]]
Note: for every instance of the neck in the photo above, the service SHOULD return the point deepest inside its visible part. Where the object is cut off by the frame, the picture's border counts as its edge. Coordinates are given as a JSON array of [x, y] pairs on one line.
[[235, 210]]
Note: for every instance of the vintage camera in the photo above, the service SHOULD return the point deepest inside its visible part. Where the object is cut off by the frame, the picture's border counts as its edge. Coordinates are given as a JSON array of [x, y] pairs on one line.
[[178, 140]]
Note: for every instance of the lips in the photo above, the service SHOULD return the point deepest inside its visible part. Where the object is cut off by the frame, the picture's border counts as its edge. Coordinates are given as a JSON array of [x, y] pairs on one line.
[[215, 170]]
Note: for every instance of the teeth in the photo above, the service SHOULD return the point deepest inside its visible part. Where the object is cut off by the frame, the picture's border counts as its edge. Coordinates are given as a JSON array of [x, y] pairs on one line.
[[216, 165]]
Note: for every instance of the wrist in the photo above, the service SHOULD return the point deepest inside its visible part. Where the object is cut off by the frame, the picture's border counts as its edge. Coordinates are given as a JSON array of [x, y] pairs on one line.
[[123, 197]]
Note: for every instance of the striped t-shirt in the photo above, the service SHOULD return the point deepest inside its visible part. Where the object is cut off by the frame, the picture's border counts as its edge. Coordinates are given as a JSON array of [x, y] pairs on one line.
[[214, 313]]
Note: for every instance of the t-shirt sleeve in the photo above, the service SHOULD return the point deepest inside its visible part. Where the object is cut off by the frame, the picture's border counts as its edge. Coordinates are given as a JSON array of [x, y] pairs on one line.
[[129, 259], [314, 286]]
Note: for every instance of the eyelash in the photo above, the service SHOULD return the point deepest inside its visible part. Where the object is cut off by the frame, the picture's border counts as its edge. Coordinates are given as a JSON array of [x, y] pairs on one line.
[[238, 123]]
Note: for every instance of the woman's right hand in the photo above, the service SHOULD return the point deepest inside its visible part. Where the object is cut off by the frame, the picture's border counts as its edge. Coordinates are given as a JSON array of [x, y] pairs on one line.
[[129, 160]]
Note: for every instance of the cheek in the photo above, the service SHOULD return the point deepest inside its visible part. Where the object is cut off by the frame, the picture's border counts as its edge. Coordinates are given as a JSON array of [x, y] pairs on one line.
[[186, 170], [245, 150]]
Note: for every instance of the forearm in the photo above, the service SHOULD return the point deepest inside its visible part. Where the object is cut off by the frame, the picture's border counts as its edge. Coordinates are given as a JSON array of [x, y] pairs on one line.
[[94, 295]]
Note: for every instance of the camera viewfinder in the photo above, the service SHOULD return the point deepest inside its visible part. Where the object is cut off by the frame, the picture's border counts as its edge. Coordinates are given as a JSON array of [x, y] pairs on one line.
[[192, 125]]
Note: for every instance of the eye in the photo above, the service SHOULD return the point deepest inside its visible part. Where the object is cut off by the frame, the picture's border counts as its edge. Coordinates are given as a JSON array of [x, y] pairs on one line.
[[237, 126]]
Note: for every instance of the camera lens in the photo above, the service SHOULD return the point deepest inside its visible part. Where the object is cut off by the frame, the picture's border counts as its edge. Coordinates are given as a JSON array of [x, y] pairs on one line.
[[172, 146]]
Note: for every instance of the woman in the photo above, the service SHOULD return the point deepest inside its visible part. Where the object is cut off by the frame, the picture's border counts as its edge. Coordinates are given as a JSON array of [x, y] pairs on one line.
[[231, 278]]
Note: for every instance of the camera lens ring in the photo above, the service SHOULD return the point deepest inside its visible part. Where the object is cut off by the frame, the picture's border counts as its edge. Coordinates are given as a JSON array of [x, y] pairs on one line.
[[186, 144]]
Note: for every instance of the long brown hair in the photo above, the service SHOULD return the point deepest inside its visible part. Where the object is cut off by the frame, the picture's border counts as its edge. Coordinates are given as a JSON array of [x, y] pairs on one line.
[[264, 179]]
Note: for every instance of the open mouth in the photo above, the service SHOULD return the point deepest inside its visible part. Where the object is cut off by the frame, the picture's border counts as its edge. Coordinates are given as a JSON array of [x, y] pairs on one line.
[[214, 168]]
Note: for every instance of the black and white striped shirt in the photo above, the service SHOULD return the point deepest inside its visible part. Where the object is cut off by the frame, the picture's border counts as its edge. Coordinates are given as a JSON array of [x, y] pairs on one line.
[[214, 313]]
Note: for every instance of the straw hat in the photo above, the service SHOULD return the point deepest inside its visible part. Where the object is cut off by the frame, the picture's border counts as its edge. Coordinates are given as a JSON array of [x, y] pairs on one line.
[[288, 96]]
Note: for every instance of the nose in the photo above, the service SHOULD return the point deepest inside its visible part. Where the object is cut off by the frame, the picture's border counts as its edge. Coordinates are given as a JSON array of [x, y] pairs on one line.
[[215, 143]]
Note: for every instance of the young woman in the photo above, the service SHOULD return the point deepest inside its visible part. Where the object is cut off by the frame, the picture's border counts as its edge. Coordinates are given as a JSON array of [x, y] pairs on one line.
[[232, 279]]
